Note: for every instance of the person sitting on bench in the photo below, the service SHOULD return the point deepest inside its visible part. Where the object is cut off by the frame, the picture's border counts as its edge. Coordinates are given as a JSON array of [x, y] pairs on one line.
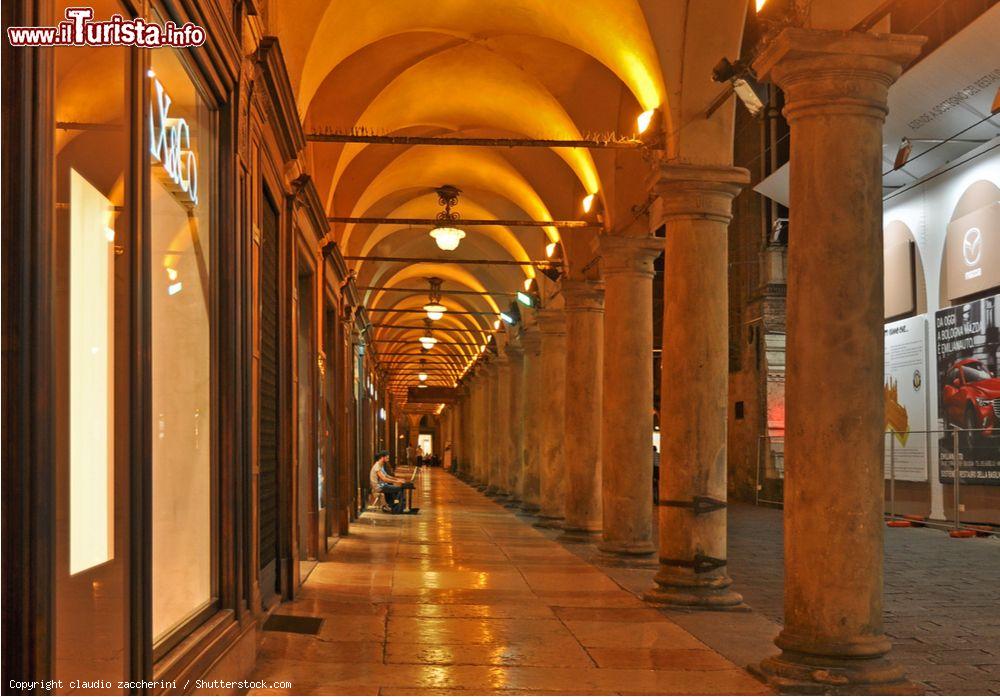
[[391, 487]]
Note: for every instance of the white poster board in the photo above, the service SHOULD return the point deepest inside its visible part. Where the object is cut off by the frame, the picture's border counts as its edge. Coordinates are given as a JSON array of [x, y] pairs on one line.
[[906, 399]]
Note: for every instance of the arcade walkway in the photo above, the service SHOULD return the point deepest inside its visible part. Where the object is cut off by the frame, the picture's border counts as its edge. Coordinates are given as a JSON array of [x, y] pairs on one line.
[[466, 597]]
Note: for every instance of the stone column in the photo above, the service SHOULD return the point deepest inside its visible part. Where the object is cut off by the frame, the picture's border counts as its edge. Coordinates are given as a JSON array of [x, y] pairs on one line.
[[697, 206], [479, 428], [413, 424], [552, 470], [500, 461], [491, 455], [627, 413], [836, 87], [582, 439], [515, 421], [531, 342]]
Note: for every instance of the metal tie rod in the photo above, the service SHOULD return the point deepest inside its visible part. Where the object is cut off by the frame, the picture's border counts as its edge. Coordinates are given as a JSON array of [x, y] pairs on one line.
[[487, 262], [376, 139], [462, 222], [423, 291]]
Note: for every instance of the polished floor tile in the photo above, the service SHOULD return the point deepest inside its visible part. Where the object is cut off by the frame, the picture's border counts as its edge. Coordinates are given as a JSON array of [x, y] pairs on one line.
[[468, 598]]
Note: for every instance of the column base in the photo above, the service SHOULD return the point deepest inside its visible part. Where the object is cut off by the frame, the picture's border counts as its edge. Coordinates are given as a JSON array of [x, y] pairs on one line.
[[578, 535], [692, 593], [805, 674], [549, 522], [491, 490], [512, 503], [530, 508], [627, 549]]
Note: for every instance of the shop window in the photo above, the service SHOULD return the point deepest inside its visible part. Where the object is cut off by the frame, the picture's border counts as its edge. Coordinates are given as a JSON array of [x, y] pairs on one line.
[[92, 214], [180, 138]]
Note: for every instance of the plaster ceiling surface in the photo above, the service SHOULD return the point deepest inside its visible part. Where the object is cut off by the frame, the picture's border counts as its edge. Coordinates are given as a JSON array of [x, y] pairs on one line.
[[523, 69]]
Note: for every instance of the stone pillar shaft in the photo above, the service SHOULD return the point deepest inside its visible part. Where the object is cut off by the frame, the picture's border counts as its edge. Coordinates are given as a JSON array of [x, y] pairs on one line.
[[480, 467], [515, 442], [627, 414], [500, 459], [697, 204], [836, 89], [552, 470], [490, 452], [531, 341], [582, 445]]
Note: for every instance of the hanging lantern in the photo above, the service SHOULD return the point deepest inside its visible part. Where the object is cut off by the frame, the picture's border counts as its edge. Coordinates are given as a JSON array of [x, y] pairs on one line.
[[445, 234], [435, 310]]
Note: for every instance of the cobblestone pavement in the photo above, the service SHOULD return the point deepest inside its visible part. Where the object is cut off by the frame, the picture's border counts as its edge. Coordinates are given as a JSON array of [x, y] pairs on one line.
[[942, 597]]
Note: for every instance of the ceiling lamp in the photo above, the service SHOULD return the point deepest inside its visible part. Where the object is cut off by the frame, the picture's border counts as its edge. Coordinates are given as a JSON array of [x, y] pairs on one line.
[[422, 376], [445, 233], [435, 310], [428, 340]]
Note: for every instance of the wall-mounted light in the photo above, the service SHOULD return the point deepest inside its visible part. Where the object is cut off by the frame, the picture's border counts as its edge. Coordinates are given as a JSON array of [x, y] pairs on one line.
[[525, 299], [528, 282], [381, 413], [645, 120], [550, 249], [496, 324], [588, 202], [506, 318]]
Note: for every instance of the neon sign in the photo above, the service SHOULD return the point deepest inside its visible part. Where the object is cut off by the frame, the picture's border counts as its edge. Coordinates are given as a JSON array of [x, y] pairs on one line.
[[170, 147]]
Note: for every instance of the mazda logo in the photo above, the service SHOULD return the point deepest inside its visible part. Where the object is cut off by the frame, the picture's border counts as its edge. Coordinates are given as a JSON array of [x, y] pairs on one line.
[[972, 246]]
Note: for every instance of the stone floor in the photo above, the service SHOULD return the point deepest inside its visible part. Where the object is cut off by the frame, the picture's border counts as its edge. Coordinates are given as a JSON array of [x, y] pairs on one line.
[[467, 598], [942, 601]]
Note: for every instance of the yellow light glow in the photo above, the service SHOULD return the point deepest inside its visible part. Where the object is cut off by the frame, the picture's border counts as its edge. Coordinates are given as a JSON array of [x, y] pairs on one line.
[[496, 325], [422, 377], [150, 73], [760, 4], [171, 273], [550, 249], [645, 118], [588, 201]]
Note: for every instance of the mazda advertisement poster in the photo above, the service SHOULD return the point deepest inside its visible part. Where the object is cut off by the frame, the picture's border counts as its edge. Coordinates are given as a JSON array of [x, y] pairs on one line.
[[968, 358]]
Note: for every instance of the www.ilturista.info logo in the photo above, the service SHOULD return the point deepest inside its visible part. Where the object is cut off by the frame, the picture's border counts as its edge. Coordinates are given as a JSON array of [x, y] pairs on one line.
[[79, 29]]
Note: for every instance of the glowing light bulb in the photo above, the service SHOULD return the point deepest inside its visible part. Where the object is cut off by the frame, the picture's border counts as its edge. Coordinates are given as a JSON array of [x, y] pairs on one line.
[[435, 311], [496, 325], [645, 118], [588, 202], [527, 283], [422, 377], [171, 273], [447, 238], [550, 249], [150, 73], [760, 4]]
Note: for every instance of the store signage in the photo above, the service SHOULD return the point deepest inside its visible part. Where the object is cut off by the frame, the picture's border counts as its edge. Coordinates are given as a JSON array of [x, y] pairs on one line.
[[170, 148], [972, 252]]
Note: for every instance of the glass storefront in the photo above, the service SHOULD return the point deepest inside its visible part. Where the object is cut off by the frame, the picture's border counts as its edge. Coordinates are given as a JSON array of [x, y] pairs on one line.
[[181, 137]]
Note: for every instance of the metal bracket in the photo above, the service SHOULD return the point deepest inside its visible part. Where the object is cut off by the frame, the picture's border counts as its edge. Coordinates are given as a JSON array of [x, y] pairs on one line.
[[699, 504], [700, 564]]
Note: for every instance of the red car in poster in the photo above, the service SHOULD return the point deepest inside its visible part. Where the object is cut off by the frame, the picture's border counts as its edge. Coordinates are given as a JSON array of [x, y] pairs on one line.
[[971, 396]]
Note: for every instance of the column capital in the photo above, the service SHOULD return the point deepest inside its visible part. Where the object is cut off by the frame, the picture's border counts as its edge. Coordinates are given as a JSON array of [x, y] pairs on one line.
[[551, 322], [531, 340], [697, 192], [583, 295], [824, 72], [514, 352], [629, 256]]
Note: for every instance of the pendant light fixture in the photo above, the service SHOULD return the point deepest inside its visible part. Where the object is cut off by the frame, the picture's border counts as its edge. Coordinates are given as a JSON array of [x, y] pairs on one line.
[[445, 233], [435, 310], [427, 340], [422, 376]]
